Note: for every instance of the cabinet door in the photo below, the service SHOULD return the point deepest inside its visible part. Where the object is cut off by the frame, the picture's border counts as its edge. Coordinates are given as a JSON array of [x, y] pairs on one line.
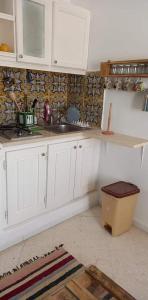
[[7, 30], [3, 215], [33, 31], [26, 183], [87, 163], [61, 174], [70, 36]]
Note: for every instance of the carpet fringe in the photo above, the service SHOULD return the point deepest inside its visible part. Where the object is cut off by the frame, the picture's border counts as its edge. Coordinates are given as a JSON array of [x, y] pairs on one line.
[[28, 262]]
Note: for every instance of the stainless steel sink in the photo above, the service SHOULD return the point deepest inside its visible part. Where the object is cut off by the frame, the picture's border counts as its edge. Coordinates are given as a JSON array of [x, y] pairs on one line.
[[65, 128]]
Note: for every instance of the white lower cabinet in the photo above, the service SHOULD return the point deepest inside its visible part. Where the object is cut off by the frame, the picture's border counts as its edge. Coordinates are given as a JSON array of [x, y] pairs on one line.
[[26, 183], [41, 186], [72, 171], [61, 174], [87, 163], [35, 185]]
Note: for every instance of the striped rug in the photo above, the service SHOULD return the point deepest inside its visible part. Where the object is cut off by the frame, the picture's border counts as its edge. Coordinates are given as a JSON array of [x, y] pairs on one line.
[[37, 278], [41, 277]]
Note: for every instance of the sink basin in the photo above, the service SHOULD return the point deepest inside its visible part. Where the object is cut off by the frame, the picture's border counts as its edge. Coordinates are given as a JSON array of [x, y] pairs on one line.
[[65, 128]]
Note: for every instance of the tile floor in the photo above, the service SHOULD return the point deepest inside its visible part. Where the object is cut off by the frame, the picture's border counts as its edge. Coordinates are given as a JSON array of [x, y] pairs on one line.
[[124, 258]]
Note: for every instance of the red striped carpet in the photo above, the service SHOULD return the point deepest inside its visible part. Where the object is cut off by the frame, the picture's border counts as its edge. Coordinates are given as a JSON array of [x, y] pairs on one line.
[[36, 280], [41, 277]]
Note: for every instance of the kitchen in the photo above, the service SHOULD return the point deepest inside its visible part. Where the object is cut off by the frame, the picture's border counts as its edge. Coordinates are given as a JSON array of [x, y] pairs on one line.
[[54, 176]]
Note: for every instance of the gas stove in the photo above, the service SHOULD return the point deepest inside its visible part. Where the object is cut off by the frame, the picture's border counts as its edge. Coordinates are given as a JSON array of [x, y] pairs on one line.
[[15, 132]]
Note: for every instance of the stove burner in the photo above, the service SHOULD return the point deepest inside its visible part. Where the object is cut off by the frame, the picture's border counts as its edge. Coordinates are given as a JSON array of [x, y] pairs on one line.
[[14, 133], [19, 132]]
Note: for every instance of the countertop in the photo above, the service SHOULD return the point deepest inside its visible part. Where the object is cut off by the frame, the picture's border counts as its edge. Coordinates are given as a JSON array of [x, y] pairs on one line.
[[49, 136], [45, 137]]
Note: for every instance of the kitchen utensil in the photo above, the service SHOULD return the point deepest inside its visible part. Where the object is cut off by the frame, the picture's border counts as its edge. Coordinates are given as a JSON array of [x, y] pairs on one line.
[[108, 131], [13, 98], [26, 103], [26, 119], [33, 109], [73, 114], [34, 103]]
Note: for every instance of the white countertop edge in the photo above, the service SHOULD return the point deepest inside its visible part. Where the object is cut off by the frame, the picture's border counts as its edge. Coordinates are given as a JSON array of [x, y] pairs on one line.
[[47, 138]]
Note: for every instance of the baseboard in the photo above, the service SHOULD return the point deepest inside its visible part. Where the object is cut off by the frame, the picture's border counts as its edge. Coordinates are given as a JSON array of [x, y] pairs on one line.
[[141, 225], [18, 233]]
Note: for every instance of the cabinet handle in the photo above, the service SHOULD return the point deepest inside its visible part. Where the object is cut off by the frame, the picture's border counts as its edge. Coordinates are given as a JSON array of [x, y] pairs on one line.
[[43, 154], [20, 56], [80, 146], [55, 62], [75, 147]]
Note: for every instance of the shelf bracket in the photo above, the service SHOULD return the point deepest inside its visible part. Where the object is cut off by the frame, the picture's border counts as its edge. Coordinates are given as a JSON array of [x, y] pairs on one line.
[[142, 155]]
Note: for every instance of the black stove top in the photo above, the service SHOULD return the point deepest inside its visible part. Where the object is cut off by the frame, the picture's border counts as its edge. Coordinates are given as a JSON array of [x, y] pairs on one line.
[[13, 132]]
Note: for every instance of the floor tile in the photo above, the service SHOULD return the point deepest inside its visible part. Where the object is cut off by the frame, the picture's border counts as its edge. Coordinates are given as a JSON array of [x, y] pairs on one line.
[[122, 258]]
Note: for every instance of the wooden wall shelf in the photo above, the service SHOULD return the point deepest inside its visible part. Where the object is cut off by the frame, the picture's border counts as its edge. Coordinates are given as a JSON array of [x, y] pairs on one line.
[[125, 68]]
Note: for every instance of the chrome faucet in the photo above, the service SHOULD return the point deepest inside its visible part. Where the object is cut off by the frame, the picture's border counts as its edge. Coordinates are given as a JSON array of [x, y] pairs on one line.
[[51, 117], [60, 115]]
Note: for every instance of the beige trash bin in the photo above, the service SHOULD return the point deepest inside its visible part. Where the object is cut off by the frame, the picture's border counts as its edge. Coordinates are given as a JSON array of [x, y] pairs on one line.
[[118, 205]]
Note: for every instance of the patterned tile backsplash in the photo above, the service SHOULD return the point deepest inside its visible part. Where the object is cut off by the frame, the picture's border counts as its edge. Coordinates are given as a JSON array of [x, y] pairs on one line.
[[61, 90]]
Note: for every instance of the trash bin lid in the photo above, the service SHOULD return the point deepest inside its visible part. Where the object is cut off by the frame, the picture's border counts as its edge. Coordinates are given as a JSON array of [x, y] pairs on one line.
[[121, 189]]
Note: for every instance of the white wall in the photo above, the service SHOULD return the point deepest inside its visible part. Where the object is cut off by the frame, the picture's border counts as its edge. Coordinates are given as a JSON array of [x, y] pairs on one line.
[[118, 30], [127, 116], [122, 163]]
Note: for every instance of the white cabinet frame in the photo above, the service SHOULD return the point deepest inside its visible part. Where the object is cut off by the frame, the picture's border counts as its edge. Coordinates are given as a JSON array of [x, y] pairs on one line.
[[10, 56], [74, 12], [48, 32]]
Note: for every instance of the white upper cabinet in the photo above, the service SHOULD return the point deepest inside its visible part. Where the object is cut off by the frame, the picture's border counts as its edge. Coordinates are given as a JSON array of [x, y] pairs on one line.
[[70, 36], [26, 183], [44, 35], [7, 30], [33, 31]]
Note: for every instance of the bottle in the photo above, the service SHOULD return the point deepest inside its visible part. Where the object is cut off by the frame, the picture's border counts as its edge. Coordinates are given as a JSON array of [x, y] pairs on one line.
[[46, 111]]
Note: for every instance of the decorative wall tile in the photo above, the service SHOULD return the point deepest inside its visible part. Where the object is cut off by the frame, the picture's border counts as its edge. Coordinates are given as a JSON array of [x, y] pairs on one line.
[[75, 91], [37, 81], [58, 83], [93, 85], [93, 114], [15, 76], [61, 90], [87, 95], [58, 90], [75, 84]]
